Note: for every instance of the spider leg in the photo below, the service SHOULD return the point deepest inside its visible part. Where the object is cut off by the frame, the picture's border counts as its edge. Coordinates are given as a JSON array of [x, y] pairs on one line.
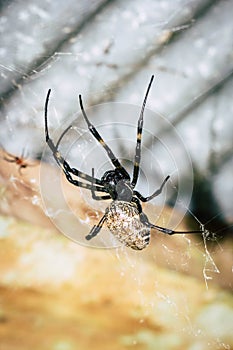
[[11, 156], [80, 183], [23, 154], [96, 228], [62, 135], [7, 153], [97, 136], [94, 196], [137, 158], [9, 160], [22, 166], [156, 193], [172, 232], [167, 231], [74, 171], [58, 157]]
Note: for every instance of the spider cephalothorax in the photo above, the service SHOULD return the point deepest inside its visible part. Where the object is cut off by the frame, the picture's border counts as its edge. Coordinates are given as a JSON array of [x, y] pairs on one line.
[[117, 184], [124, 216]]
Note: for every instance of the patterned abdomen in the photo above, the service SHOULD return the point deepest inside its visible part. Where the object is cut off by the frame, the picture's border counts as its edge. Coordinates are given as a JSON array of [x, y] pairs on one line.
[[122, 219]]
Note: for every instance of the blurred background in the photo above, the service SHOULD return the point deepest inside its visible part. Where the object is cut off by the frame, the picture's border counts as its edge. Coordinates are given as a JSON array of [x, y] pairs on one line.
[[107, 51]]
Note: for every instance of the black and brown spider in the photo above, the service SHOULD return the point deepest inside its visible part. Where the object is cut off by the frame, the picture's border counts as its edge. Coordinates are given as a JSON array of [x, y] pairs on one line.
[[124, 216]]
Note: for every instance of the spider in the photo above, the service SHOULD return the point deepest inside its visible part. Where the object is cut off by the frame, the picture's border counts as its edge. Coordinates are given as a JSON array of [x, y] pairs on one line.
[[20, 161], [123, 216]]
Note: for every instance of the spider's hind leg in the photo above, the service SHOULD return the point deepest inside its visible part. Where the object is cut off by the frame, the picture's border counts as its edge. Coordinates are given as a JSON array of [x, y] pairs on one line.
[[96, 229]]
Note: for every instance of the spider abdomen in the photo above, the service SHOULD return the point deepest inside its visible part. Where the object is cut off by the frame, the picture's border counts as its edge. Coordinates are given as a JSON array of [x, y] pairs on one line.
[[123, 221]]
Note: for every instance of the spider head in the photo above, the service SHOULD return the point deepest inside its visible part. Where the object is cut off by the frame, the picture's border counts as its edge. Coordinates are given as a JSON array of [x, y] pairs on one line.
[[117, 184]]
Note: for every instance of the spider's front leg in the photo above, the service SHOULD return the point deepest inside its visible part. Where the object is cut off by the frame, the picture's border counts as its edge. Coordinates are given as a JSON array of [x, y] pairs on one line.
[[63, 163], [93, 189], [99, 138]]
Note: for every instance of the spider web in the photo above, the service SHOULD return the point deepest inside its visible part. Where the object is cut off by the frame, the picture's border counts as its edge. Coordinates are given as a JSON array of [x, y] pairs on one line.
[[104, 64]]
